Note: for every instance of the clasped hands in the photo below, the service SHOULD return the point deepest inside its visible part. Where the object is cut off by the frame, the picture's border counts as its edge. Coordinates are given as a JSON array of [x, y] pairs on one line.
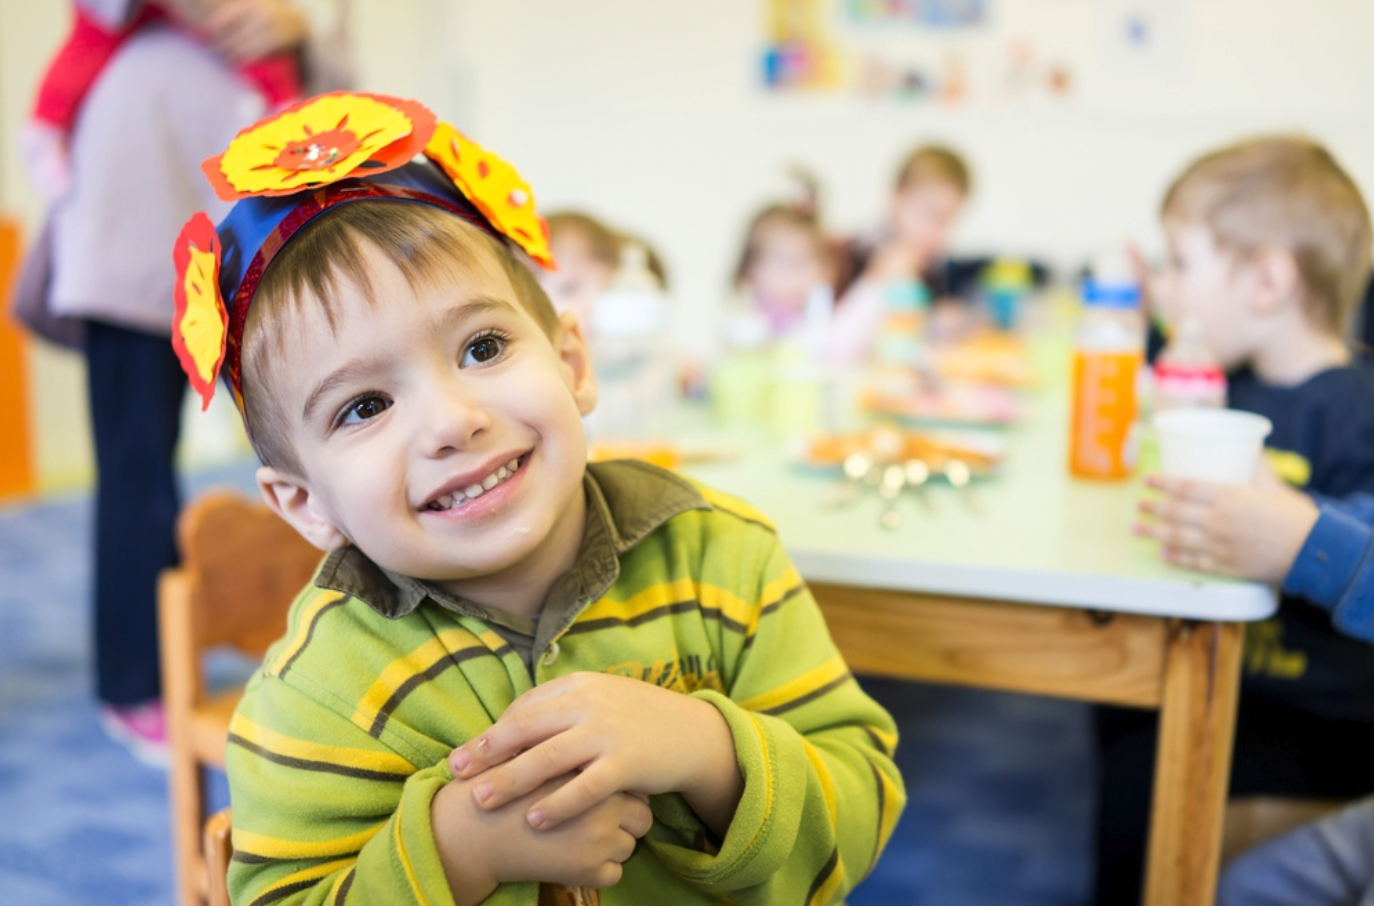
[[557, 789]]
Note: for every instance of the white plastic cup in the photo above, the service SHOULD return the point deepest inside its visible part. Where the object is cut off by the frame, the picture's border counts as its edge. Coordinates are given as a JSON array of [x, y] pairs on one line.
[[1217, 445]]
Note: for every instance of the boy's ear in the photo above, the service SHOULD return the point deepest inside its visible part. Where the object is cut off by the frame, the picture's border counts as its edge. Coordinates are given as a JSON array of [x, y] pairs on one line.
[[1277, 281], [577, 362], [290, 499]]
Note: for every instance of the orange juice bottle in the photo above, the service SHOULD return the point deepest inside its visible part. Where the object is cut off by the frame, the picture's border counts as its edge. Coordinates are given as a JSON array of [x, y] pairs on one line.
[[1108, 352]]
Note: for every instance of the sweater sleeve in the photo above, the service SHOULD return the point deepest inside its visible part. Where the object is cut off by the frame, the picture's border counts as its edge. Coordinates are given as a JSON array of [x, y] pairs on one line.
[[324, 813], [1335, 567], [821, 793]]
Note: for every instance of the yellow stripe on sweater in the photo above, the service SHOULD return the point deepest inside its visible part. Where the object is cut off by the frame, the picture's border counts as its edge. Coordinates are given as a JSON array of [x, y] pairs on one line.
[[304, 622], [827, 782], [405, 860], [450, 641], [642, 602], [314, 873], [343, 756], [798, 687], [246, 841]]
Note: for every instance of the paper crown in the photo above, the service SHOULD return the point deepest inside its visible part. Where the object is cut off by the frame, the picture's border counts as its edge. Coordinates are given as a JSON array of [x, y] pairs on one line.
[[287, 169]]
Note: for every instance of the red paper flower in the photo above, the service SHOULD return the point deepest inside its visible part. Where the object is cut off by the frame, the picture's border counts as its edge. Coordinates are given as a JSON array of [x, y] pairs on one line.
[[200, 324], [319, 141]]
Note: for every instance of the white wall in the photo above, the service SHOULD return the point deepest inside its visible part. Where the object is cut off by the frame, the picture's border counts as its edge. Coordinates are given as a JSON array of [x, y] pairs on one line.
[[645, 111]]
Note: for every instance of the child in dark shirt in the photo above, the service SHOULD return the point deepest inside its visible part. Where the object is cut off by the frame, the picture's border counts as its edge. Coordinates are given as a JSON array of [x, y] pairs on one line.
[[1269, 249]]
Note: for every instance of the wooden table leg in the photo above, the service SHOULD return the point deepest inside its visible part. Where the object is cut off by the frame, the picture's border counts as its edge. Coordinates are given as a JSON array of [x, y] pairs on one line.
[[1193, 765]]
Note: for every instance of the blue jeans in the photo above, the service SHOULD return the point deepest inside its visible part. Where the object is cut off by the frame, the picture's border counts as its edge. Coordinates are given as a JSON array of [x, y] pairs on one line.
[[1326, 863]]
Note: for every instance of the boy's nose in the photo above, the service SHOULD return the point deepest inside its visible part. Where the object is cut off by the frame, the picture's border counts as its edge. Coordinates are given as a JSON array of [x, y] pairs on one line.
[[450, 420]]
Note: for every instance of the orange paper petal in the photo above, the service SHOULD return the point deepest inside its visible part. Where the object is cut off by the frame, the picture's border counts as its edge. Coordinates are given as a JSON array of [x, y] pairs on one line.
[[200, 324], [494, 187], [320, 141]]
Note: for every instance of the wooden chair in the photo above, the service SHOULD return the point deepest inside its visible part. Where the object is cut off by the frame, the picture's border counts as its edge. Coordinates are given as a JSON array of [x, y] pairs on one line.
[[219, 849], [241, 567]]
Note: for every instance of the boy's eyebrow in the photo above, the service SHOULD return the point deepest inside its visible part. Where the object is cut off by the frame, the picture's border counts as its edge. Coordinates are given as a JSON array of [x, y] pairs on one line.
[[455, 316]]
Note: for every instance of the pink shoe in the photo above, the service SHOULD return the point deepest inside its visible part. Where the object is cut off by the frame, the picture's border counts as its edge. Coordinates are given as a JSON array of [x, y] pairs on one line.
[[142, 729]]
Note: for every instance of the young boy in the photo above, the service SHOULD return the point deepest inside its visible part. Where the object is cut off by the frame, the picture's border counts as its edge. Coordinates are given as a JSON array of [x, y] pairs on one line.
[[512, 668], [929, 193], [1269, 249]]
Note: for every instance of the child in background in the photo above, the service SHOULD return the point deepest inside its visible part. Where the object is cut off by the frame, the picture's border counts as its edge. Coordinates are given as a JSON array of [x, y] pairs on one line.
[[588, 253], [1269, 246], [931, 189], [785, 263], [511, 665], [92, 42]]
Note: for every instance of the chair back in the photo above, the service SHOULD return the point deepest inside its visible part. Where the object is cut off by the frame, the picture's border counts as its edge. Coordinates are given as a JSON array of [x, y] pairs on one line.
[[246, 564]]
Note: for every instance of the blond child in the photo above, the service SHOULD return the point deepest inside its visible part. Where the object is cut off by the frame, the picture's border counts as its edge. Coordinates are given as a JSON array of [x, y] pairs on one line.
[[930, 191], [512, 668], [1269, 249]]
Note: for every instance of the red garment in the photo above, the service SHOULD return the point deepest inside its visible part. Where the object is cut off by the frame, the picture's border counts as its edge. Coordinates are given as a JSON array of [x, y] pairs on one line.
[[90, 46]]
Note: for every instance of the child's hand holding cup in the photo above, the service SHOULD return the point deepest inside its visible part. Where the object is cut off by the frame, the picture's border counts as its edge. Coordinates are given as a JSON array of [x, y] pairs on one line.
[[1215, 511]]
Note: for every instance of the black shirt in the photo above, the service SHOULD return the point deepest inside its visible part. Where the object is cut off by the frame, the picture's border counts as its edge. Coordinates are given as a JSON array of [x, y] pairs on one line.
[[1299, 659]]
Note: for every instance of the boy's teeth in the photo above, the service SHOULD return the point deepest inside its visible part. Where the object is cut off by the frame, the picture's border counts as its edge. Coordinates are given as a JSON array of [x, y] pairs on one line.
[[473, 491]]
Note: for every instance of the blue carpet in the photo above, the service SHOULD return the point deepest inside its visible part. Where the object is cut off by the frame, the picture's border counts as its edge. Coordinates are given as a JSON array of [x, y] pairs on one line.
[[999, 783]]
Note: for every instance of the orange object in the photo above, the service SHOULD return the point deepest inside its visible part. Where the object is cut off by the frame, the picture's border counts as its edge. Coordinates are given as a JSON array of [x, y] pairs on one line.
[[16, 440], [1104, 408], [663, 455]]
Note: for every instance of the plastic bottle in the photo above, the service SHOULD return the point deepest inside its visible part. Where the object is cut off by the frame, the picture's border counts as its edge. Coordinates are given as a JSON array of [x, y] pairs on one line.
[[631, 354], [1186, 374], [1108, 352], [1006, 283]]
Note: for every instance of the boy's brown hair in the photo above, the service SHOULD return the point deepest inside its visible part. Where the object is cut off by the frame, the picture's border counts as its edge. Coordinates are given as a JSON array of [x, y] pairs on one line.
[[424, 242], [935, 163], [1286, 192]]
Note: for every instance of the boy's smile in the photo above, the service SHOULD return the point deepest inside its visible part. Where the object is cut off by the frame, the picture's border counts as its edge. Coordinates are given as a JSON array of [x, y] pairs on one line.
[[439, 430]]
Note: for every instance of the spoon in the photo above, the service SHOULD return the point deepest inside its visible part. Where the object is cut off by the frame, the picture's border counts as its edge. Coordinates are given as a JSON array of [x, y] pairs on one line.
[[857, 467], [890, 488], [917, 475], [958, 474]]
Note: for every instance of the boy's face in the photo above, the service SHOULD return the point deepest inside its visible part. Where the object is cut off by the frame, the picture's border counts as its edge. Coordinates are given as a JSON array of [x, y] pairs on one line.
[[439, 429], [923, 215], [1211, 285], [581, 277]]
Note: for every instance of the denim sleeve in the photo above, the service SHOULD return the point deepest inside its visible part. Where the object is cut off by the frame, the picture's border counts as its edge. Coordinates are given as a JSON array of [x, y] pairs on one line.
[[1335, 568]]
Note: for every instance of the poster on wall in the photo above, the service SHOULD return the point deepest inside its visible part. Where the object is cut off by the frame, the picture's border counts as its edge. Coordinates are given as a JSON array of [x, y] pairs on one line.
[[944, 52]]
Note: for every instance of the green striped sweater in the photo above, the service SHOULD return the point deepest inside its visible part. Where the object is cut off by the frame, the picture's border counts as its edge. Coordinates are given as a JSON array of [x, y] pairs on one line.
[[342, 738]]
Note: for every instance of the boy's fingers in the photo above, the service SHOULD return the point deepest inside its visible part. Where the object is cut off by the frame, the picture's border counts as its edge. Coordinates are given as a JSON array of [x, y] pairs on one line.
[[573, 798], [1176, 512], [1183, 488], [558, 757], [640, 817], [521, 727]]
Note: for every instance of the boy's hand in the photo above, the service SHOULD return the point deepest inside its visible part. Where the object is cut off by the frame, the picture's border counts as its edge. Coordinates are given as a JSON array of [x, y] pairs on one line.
[[617, 735], [1247, 531], [481, 848]]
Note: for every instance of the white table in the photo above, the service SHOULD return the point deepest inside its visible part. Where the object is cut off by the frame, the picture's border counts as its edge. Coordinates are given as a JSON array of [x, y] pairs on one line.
[[1033, 584]]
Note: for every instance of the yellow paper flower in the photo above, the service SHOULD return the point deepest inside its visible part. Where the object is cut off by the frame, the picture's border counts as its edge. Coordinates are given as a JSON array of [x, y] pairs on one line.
[[494, 187], [320, 141], [200, 324]]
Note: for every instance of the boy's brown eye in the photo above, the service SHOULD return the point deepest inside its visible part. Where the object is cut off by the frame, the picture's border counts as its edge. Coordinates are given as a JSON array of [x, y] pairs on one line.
[[363, 409], [483, 349]]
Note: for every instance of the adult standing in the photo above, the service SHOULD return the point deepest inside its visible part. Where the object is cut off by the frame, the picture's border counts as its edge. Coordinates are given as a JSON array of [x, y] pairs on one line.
[[172, 95]]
